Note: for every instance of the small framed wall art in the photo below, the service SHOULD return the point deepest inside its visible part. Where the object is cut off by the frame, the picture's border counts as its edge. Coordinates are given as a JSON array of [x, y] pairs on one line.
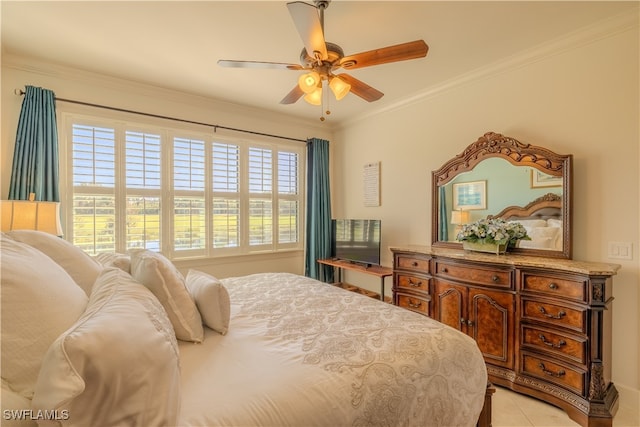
[[541, 179], [470, 195]]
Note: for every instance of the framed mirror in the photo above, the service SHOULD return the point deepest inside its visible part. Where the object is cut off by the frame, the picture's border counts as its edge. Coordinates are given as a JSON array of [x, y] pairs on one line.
[[499, 176]]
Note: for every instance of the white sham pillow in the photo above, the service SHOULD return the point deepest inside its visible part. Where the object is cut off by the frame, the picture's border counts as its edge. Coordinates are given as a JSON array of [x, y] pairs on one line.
[[121, 261], [80, 266], [541, 238], [551, 222], [212, 300], [162, 278], [39, 302], [117, 365], [532, 222]]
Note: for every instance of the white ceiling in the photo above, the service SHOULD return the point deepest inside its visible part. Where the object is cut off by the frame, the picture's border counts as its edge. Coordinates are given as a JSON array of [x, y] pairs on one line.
[[176, 44]]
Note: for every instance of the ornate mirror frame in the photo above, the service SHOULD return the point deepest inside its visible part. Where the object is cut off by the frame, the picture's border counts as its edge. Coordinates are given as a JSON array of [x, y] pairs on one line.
[[494, 145]]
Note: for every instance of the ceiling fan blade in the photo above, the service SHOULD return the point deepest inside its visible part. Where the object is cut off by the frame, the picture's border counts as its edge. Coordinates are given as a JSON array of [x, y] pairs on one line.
[[258, 64], [307, 21], [361, 89], [399, 52], [293, 96]]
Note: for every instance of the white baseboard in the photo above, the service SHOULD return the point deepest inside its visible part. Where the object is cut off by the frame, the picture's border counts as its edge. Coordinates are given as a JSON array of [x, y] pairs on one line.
[[629, 399]]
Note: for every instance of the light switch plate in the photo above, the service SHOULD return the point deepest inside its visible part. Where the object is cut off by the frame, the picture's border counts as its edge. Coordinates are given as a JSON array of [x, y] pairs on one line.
[[620, 250]]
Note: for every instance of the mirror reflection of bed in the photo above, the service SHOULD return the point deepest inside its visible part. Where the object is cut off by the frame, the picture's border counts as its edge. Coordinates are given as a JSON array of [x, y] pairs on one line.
[[542, 218]]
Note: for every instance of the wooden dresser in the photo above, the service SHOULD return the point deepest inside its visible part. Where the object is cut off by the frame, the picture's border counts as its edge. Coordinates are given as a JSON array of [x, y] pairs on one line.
[[543, 324]]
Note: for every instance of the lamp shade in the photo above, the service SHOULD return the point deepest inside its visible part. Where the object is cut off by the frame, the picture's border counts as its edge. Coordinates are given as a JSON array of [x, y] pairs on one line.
[[309, 82], [459, 217], [339, 87], [315, 97], [26, 215]]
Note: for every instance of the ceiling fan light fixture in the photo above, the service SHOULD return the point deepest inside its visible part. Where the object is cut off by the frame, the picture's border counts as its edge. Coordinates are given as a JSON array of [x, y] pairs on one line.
[[309, 82], [339, 87], [315, 97]]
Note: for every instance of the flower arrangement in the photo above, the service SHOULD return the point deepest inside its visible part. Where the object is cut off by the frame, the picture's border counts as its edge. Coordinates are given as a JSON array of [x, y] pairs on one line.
[[494, 231]]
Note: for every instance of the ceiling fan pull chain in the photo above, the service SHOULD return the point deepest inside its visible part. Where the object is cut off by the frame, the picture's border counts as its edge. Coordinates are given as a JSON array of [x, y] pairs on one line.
[[322, 97], [326, 93]]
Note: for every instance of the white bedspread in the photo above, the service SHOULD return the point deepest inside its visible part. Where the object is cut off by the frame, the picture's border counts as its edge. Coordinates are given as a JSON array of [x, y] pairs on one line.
[[303, 353]]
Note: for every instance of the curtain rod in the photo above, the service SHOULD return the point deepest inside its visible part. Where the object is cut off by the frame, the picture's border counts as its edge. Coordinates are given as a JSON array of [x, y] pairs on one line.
[[157, 116]]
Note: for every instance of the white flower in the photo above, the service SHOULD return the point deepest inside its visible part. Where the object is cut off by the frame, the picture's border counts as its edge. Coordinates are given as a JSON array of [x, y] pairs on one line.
[[494, 230]]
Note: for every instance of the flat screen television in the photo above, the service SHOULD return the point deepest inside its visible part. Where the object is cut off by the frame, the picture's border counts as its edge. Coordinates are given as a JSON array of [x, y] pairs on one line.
[[356, 240]]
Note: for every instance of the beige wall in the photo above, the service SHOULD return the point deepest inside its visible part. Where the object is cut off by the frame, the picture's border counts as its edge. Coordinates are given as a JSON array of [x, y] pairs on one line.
[[578, 97]]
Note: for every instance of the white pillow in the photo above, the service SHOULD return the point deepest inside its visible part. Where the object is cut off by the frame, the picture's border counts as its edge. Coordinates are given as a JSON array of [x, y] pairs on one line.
[[165, 281], [118, 364], [554, 222], [39, 302], [80, 266], [122, 261], [541, 238], [530, 223], [212, 300]]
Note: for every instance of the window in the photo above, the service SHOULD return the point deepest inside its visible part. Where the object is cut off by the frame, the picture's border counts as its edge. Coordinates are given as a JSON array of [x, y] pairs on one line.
[[93, 180], [179, 191], [143, 190], [226, 198], [189, 220]]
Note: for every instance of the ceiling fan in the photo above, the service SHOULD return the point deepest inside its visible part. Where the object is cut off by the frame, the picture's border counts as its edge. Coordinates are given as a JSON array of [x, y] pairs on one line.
[[321, 59]]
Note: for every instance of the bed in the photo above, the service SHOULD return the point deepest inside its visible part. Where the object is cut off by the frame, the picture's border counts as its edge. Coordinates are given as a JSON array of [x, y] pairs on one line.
[[128, 340], [542, 218]]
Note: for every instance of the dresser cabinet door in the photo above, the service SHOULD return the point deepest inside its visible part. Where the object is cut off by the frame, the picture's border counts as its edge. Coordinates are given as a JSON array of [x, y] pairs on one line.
[[486, 315], [491, 322], [450, 304]]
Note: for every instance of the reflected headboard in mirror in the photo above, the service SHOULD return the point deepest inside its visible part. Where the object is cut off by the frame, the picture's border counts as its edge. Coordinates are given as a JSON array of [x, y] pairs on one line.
[[499, 176]]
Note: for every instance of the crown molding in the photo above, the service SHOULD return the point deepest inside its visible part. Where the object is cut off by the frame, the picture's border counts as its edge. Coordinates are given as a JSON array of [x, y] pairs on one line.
[[48, 69], [590, 34]]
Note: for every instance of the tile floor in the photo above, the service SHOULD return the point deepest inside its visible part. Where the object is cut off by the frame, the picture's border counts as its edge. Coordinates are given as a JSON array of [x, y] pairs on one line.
[[515, 410]]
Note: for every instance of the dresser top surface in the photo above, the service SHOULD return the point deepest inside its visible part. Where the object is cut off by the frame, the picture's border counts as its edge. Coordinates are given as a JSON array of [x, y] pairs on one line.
[[583, 267]]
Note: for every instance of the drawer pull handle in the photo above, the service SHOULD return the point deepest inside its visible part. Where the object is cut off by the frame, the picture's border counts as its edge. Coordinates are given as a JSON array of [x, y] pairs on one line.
[[544, 340], [553, 286], [558, 374], [414, 305], [414, 264], [560, 314], [445, 270], [495, 278], [415, 284]]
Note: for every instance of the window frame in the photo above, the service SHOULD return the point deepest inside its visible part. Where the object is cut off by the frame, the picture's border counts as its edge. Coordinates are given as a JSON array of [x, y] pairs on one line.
[[168, 130]]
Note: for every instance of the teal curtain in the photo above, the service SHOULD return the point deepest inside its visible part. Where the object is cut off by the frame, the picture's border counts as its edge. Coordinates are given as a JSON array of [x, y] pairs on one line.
[[318, 235], [35, 159], [444, 230]]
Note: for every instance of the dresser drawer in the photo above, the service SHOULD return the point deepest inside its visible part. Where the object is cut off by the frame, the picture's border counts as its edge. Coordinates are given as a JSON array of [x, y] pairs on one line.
[[411, 262], [555, 372], [554, 286], [565, 345], [476, 274], [413, 303], [554, 314], [415, 283]]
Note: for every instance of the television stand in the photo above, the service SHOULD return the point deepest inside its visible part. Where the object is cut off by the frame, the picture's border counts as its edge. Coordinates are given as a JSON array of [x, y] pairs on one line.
[[373, 270]]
